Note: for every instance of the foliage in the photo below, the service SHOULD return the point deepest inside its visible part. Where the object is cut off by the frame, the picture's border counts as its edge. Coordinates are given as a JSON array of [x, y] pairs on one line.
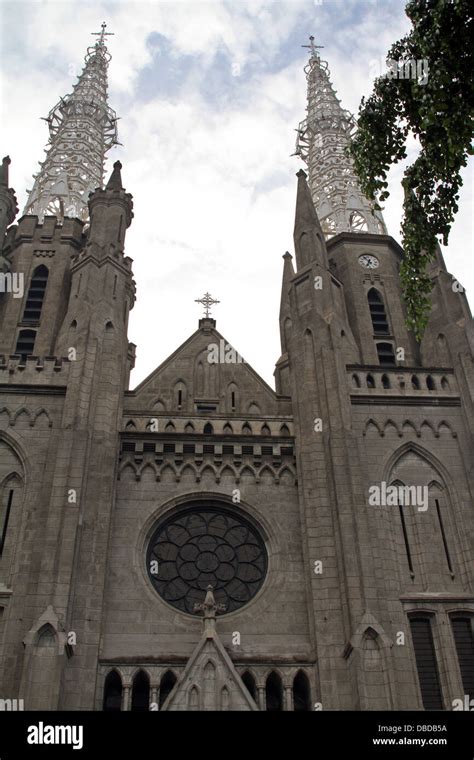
[[439, 110]]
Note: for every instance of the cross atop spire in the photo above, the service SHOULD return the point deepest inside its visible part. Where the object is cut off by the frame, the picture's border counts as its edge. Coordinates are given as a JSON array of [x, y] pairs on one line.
[[207, 301], [103, 34], [312, 46]]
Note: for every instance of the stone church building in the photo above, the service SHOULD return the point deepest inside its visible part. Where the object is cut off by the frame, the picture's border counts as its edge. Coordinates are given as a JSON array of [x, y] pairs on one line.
[[204, 541]]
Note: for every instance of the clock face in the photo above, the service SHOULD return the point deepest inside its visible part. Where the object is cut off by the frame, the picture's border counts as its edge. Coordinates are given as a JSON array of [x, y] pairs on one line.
[[368, 261]]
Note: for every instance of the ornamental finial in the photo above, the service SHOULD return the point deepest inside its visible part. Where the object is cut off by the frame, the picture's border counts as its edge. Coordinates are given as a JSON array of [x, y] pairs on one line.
[[209, 608]]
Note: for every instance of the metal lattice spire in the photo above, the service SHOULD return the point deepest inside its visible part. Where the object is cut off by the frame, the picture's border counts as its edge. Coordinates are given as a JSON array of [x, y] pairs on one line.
[[321, 142], [82, 128]]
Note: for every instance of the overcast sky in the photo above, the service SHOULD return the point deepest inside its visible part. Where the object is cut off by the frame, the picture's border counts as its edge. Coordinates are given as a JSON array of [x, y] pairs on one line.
[[209, 95]]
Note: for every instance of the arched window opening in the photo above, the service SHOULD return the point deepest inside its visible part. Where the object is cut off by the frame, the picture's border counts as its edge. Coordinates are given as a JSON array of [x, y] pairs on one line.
[[25, 342], [370, 381], [35, 297], [406, 540], [426, 664], [112, 692], [6, 507], [189, 427], [274, 693], [167, 685], [358, 222], [301, 692], [228, 428], [46, 637], [415, 383], [430, 383], [377, 312], [180, 398], [284, 430], [169, 427], [328, 226], [444, 384], [265, 430], [232, 397], [355, 381], [246, 429], [386, 355], [208, 429], [141, 692], [444, 538], [464, 640], [385, 382], [250, 685]]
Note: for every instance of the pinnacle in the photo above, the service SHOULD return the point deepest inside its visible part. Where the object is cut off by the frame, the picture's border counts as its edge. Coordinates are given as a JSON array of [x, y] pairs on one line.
[[115, 181], [4, 170]]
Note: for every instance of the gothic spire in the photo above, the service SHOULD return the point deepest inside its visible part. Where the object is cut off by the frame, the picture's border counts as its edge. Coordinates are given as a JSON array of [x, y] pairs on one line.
[[82, 128], [322, 139]]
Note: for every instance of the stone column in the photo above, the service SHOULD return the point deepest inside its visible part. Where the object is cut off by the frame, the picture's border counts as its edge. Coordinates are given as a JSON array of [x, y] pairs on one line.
[[126, 698]]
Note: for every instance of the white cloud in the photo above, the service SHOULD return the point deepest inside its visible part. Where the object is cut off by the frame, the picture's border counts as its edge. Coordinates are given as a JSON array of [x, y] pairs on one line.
[[213, 184]]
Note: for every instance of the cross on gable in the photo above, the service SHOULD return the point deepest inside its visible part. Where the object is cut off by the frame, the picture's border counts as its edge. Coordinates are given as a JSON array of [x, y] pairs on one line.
[[207, 301]]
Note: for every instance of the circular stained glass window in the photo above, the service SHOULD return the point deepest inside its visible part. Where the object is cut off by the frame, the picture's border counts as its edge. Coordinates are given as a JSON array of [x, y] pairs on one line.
[[206, 546]]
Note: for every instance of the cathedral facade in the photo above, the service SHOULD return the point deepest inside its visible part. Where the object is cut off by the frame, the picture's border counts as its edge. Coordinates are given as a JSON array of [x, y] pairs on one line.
[[205, 541]]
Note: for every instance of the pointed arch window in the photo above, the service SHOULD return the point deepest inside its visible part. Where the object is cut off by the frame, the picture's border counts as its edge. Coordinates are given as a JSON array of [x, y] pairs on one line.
[[167, 685], [463, 633], [358, 222], [406, 539], [10, 496], [46, 637], [250, 685], [35, 297], [274, 693], [301, 692], [7, 499], [426, 664], [386, 354], [112, 692], [328, 226], [377, 312], [141, 692], [26, 342]]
